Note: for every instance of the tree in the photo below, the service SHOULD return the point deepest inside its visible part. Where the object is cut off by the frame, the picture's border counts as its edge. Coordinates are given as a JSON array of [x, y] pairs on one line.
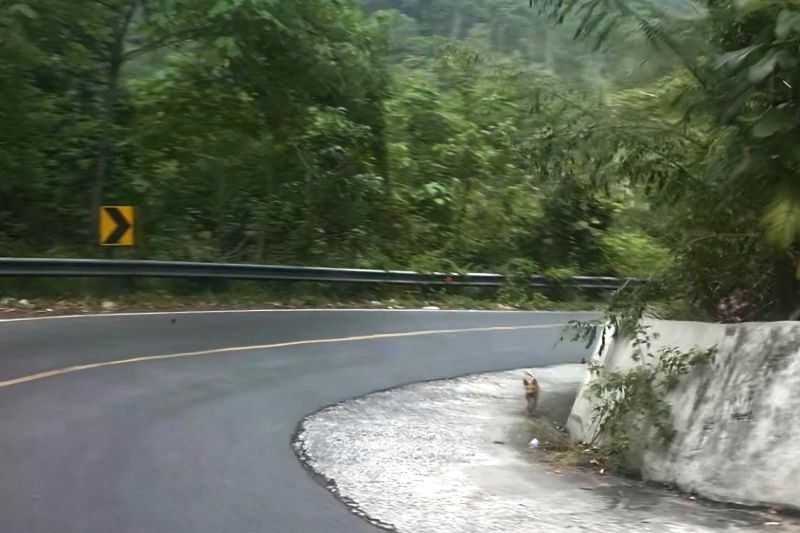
[[740, 194]]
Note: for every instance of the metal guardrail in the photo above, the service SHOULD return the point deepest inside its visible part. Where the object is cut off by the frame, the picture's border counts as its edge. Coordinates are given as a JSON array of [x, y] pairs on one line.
[[169, 269]]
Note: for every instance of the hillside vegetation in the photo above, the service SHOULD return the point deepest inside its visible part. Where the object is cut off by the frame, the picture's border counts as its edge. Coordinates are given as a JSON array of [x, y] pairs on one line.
[[593, 137]]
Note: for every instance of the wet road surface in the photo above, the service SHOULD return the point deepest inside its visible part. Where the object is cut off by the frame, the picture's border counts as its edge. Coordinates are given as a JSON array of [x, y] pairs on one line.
[[202, 442]]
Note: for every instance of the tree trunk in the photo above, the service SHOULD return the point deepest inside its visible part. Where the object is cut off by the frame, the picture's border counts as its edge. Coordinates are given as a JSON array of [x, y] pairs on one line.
[[593, 75], [421, 14], [462, 212], [105, 143], [220, 210], [266, 194], [785, 284], [457, 26], [549, 50]]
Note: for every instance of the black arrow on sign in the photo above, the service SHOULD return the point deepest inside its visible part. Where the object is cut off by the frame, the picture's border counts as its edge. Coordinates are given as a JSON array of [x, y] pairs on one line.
[[122, 225]]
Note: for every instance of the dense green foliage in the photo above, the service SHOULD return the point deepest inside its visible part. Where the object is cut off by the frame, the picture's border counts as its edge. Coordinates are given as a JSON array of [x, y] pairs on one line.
[[310, 132], [591, 137], [729, 120]]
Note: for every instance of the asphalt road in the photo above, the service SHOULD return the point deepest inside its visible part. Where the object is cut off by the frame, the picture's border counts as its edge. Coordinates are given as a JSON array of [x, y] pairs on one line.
[[202, 442]]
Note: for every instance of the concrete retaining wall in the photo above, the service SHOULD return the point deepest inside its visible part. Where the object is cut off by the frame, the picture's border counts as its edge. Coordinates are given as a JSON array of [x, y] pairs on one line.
[[737, 420]]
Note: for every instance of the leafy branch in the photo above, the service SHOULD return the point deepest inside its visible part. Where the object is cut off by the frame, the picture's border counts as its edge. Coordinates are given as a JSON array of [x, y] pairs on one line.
[[629, 402]]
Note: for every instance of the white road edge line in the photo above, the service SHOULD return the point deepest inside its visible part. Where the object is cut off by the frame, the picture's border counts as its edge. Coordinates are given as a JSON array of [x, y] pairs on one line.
[[89, 366]]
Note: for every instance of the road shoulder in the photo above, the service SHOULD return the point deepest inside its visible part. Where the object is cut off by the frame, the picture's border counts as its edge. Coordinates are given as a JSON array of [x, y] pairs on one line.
[[452, 456]]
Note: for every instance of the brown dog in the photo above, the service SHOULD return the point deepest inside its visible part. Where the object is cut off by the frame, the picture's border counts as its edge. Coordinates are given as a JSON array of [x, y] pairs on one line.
[[531, 391]]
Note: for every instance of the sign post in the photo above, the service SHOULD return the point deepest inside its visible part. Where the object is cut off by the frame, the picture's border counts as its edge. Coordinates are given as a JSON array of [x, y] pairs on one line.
[[117, 225]]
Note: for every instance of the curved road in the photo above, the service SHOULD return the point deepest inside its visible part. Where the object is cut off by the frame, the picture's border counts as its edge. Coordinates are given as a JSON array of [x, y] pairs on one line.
[[173, 423]]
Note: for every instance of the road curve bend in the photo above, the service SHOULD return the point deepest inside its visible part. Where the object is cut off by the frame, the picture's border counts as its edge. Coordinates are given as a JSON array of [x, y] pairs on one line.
[[182, 422]]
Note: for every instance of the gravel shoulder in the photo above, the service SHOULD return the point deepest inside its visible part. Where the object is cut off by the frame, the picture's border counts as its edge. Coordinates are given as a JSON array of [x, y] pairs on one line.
[[452, 456]]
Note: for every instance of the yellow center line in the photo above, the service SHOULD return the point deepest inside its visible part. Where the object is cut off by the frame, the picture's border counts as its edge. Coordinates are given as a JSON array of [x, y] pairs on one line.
[[90, 366]]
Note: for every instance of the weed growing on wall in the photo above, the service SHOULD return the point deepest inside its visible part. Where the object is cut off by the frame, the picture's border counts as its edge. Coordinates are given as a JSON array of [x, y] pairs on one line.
[[631, 400]]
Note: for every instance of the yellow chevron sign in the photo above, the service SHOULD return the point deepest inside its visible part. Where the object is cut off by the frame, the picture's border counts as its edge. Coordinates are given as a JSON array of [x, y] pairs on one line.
[[117, 224]]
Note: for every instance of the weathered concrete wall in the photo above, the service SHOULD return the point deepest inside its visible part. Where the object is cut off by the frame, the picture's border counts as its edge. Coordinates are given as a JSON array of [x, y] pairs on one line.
[[737, 420]]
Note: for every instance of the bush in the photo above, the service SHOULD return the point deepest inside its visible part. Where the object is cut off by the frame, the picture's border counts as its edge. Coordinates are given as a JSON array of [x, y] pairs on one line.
[[634, 254]]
